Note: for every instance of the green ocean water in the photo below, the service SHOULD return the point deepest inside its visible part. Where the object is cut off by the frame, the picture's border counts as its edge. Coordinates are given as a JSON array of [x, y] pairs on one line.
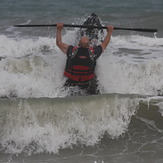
[[39, 123]]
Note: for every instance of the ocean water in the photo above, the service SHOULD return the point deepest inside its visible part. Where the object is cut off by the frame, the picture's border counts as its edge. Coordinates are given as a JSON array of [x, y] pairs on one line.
[[40, 123]]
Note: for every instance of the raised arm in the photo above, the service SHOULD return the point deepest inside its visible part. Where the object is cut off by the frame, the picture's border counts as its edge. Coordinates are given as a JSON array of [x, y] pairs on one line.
[[107, 38], [60, 44]]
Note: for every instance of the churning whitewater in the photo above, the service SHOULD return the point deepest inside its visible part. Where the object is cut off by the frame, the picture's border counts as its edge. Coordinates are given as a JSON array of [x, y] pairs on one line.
[[47, 125], [39, 115], [28, 65], [40, 122]]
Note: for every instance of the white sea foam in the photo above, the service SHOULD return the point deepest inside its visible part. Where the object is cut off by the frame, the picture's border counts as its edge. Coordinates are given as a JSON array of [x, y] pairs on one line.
[[34, 67], [160, 105], [48, 125], [21, 47]]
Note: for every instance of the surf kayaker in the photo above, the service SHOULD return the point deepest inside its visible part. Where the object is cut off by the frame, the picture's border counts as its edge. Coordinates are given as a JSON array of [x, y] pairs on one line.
[[81, 60]]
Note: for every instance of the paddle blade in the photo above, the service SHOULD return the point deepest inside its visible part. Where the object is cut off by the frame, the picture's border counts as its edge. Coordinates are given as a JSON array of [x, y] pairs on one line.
[[138, 29]]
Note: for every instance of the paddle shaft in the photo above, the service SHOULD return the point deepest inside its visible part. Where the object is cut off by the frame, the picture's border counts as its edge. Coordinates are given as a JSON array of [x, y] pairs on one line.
[[86, 26]]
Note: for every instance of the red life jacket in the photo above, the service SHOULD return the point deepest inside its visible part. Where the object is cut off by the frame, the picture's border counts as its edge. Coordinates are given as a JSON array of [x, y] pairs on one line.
[[80, 67]]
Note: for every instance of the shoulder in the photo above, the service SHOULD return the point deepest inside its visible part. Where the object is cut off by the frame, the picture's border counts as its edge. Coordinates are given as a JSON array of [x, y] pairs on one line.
[[99, 47], [71, 50], [97, 51]]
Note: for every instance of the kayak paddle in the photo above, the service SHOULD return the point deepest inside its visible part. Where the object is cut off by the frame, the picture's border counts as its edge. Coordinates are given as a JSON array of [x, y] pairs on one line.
[[86, 26]]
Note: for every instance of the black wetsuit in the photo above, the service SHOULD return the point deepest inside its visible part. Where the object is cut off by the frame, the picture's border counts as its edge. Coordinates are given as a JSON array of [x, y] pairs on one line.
[[80, 68]]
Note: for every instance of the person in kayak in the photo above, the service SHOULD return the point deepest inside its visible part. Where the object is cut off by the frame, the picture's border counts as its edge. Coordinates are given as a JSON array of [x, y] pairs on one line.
[[81, 60]]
